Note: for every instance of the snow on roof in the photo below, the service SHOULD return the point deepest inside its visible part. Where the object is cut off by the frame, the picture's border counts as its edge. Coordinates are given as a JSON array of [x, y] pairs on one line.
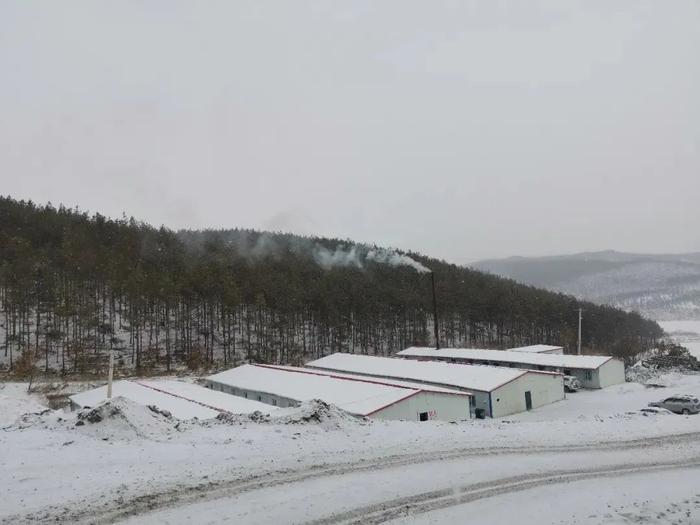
[[204, 396], [536, 349], [357, 395], [383, 381], [470, 377], [182, 400], [590, 362]]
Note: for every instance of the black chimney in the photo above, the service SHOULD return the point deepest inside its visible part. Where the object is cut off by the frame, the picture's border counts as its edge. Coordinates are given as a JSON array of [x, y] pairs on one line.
[[435, 316]]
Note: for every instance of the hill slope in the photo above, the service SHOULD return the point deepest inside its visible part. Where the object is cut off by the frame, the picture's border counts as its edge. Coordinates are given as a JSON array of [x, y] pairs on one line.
[[663, 287], [74, 285]]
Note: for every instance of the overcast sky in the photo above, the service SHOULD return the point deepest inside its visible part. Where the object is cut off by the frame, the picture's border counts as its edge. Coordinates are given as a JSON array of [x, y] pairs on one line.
[[463, 130]]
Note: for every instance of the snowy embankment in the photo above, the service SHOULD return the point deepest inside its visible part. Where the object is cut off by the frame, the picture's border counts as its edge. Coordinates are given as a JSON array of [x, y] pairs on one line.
[[133, 462]]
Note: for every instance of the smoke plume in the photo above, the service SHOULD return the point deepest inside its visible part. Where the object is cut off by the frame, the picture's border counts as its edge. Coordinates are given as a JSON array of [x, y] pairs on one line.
[[393, 258], [255, 246], [340, 257]]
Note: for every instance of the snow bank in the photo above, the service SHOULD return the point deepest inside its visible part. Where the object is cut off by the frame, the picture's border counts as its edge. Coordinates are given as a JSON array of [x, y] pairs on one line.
[[15, 401], [116, 419], [121, 418], [316, 412], [641, 373]]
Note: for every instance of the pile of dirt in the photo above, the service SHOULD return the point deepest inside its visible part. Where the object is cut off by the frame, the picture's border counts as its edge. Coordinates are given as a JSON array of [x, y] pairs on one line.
[[121, 418], [315, 412]]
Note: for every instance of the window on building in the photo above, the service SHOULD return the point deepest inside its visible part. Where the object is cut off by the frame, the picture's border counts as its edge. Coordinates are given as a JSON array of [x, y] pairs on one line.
[[274, 402], [423, 416], [589, 375]]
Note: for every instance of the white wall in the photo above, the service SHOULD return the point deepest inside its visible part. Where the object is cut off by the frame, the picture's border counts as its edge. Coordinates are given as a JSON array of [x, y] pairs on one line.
[[481, 400], [263, 397], [611, 373], [510, 398], [587, 378], [441, 407]]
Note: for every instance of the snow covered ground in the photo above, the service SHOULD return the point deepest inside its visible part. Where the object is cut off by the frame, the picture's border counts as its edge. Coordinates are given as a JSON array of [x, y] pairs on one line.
[[686, 333], [664, 497], [592, 458]]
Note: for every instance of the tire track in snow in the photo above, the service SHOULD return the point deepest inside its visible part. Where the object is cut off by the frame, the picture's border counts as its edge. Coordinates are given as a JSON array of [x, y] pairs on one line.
[[440, 499], [103, 509]]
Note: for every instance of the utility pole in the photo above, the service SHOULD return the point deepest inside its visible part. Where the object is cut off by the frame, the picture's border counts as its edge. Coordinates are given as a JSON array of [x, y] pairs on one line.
[[435, 316], [110, 373], [352, 331], [580, 317]]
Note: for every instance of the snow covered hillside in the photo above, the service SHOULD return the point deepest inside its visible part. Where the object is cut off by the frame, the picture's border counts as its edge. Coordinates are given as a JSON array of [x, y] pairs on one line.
[[595, 451], [663, 287]]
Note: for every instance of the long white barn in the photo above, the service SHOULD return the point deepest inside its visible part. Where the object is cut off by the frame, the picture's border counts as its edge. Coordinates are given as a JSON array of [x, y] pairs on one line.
[[593, 371], [539, 349], [285, 386], [497, 391], [182, 400]]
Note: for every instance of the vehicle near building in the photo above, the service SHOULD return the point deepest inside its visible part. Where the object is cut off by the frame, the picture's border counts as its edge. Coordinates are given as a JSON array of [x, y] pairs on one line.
[[571, 384]]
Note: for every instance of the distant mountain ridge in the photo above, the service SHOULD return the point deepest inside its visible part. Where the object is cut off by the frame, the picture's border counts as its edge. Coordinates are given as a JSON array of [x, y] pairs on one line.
[[659, 286]]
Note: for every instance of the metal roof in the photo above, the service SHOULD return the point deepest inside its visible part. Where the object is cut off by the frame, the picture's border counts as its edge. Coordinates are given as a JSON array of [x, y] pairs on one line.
[[357, 395], [589, 362], [469, 377]]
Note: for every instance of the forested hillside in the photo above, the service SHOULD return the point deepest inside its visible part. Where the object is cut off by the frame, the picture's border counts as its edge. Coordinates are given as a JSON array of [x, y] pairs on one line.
[[74, 285]]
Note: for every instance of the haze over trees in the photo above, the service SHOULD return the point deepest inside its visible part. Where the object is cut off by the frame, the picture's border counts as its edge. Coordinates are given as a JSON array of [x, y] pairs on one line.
[[74, 285]]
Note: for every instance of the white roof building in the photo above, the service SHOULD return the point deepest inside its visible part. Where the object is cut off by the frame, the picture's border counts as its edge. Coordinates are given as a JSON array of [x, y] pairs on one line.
[[182, 400], [497, 391], [382, 399], [593, 371], [539, 349]]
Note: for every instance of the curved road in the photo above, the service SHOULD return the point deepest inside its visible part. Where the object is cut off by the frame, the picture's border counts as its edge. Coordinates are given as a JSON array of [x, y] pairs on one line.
[[376, 491]]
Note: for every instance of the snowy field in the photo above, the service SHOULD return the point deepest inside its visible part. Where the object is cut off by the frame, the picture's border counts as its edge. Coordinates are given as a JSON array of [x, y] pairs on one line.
[[686, 333], [592, 458]]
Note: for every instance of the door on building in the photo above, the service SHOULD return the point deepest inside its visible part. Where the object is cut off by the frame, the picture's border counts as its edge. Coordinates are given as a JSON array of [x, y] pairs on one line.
[[528, 400]]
